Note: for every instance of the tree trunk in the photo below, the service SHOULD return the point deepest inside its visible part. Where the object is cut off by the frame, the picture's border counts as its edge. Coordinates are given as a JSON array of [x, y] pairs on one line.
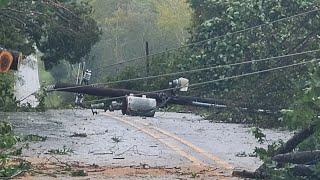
[[287, 147], [298, 157], [293, 142]]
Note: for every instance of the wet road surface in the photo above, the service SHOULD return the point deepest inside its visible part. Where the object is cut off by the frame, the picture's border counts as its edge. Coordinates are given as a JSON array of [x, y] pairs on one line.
[[168, 146]]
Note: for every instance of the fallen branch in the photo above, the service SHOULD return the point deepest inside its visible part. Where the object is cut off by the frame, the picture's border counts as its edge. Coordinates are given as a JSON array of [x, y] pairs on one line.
[[287, 147], [297, 170], [298, 157], [293, 142], [244, 173]]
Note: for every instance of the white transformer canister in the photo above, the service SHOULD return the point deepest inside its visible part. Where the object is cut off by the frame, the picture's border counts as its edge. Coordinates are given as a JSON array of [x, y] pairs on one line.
[[140, 106]]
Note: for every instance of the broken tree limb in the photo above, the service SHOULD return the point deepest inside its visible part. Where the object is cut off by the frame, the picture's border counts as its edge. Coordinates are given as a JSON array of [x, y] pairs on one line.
[[293, 142], [287, 147], [298, 157], [244, 173], [297, 170]]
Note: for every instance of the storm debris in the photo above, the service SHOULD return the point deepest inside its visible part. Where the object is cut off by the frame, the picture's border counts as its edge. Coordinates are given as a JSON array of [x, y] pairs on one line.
[[116, 139], [79, 173], [63, 151], [79, 135], [119, 158], [34, 137]]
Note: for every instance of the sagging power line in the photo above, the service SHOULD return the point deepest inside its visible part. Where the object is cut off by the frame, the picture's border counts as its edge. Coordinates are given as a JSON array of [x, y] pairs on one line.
[[193, 70], [209, 39], [212, 81]]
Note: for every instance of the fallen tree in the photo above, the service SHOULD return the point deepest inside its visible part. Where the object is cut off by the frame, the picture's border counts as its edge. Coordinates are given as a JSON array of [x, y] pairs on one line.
[[289, 146], [293, 142], [304, 157]]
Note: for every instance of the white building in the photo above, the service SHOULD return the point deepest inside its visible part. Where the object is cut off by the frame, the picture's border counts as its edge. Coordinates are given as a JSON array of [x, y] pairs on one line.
[[27, 81]]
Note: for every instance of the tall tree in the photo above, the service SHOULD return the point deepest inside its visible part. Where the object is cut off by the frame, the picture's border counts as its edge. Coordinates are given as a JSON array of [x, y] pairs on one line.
[[268, 90], [62, 30]]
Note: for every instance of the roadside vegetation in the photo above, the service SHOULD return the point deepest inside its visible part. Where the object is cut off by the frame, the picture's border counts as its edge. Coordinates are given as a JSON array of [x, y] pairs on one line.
[[11, 147]]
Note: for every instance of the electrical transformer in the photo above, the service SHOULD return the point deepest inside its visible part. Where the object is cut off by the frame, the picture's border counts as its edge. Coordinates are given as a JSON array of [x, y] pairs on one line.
[[139, 106]]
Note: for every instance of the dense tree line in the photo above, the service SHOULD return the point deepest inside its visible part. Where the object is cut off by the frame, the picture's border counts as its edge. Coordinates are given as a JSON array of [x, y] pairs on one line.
[[274, 90], [126, 26], [59, 29]]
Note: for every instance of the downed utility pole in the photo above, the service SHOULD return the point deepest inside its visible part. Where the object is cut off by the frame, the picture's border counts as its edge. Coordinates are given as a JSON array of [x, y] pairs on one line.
[[164, 97], [98, 91], [159, 97]]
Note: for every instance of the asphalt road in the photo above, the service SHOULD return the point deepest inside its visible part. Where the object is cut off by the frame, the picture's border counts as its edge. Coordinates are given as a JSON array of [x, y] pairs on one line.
[[110, 145]]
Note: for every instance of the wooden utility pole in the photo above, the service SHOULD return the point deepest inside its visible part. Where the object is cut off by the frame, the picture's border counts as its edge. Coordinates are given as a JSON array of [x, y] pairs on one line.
[[159, 97], [147, 59], [112, 92]]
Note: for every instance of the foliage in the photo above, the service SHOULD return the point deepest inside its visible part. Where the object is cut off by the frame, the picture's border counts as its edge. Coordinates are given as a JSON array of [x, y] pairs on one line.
[[258, 135], [128, 24], [5, 128], [41, 99], [265, 154], [8, 166], [174, 17], [7, 138], [62, 30], [11, 170], [272, 91], [301, 113], [306, 106], [7, 99]]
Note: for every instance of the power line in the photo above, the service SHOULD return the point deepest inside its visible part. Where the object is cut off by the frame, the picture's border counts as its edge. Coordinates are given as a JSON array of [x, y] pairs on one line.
[[213, 81], [216, 37], [191, 71], [31, 94], [22, 99]]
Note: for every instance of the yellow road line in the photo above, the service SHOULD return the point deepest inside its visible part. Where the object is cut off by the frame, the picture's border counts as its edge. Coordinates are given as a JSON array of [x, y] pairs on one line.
[[180, 151], [222, 163]]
